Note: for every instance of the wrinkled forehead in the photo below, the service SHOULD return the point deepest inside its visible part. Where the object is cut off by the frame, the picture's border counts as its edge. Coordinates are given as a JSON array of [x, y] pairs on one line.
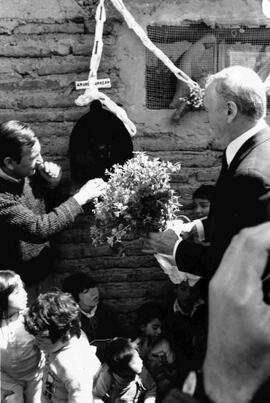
[[210, 91], [212, 99]]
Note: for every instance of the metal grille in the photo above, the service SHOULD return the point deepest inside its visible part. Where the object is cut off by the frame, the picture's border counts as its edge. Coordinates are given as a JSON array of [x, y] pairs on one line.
[[199, 51]]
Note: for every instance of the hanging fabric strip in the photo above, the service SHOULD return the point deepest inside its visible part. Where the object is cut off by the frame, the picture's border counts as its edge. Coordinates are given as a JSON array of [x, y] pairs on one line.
[[132, 24], [98, 42], [92, 92]]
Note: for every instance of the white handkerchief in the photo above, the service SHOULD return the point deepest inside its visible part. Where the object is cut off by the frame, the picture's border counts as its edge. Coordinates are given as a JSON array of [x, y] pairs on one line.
[[168, 265]]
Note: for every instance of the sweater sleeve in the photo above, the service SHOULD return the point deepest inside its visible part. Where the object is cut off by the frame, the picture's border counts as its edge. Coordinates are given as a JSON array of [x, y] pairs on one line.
[[24, 224]]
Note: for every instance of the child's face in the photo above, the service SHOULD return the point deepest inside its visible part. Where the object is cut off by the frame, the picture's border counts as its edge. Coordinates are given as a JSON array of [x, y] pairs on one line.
[[187, 295], [152, 329], [89, 298], [17, 300], [136, 363], [45, 344], [201, 207]]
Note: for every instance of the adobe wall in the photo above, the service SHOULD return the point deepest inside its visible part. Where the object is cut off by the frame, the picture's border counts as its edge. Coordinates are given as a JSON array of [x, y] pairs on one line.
[[44, 48]]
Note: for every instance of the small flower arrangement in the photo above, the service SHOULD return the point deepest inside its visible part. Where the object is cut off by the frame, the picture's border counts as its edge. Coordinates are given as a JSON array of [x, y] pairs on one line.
[[192, 102], [138, 199], [195, 98]]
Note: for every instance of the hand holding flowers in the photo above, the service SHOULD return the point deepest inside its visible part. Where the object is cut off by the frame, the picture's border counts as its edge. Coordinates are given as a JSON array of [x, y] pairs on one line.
[[138, 199]]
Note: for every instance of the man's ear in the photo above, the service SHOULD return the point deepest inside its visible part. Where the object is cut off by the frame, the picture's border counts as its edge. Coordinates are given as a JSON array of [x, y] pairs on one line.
[[231, 111], [9, 163]]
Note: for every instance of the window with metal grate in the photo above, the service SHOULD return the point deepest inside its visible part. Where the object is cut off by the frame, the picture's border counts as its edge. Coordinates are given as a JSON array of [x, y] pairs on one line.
[[199, 50]]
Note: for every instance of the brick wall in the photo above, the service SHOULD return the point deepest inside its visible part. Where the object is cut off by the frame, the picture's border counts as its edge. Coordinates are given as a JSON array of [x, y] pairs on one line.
[[44, 49]]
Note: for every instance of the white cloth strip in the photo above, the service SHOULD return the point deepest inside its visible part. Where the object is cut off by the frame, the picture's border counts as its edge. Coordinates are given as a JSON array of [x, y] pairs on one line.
[[98, 42], [132, 24], [93, 93]]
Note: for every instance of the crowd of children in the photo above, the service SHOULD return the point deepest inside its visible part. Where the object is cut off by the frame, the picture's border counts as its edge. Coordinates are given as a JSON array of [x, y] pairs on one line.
[[68, 347]]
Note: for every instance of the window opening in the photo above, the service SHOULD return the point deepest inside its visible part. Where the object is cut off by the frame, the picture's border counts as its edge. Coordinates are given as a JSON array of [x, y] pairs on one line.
[[212, 50]]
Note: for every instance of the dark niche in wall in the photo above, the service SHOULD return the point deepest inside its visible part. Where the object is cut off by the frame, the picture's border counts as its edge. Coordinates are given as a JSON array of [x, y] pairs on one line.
[[98, 140]]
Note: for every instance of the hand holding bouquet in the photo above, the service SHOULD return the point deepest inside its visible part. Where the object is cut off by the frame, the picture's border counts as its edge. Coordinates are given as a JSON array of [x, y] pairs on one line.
[[138, 200]]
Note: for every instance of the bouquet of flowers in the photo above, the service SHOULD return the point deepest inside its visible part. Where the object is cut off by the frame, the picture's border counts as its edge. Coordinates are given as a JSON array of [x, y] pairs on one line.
[[138, 199]]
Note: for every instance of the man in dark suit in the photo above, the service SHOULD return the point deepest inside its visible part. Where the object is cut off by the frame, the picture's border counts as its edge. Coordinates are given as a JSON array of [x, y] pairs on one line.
[[236, 368], [235, 99]]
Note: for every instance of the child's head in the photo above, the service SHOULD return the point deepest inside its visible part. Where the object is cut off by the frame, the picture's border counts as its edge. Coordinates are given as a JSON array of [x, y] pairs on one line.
[[13, 297], [84, 290], [201, 200], [187, 295], [53, 319], [123, 358], [149, 319]]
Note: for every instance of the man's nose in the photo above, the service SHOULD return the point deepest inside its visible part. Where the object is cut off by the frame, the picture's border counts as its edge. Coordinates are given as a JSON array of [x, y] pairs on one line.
[[39, 160]]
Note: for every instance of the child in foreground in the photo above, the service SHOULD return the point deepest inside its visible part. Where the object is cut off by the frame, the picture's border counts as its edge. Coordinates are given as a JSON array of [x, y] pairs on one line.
[[71, 362], [123, 378], [21, 360], [97, 320], [155, 350]]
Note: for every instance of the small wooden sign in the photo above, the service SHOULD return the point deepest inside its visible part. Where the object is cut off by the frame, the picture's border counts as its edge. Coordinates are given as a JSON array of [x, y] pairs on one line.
[[102, 83]]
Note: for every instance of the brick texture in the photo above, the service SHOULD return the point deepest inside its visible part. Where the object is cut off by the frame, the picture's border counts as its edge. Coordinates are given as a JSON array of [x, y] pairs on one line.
[[43, 51]]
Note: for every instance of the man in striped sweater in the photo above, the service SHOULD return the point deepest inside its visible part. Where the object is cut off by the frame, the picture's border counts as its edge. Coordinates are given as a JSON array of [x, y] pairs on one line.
[[27, 182]]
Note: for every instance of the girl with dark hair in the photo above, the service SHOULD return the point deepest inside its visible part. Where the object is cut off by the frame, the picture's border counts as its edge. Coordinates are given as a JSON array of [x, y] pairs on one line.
[[155, 350], [21, 360]]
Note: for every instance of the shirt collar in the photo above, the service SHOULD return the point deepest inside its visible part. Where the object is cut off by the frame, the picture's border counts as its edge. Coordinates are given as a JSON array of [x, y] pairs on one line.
[[7, 177], [89, 314], [236, 144], [177, 307], [124, 382]]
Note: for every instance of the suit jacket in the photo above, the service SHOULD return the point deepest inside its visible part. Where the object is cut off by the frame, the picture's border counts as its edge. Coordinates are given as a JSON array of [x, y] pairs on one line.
[[242, 199]]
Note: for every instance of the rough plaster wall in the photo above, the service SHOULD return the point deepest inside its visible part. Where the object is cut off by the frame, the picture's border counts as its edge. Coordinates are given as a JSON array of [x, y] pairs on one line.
[[44, 48]]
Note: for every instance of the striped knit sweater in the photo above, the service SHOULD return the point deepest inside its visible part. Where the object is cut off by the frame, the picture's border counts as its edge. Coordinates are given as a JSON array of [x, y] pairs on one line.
[[26, 226]]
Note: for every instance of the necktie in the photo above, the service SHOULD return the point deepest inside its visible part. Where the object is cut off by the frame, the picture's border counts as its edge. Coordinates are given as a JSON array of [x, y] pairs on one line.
[[224, 165], [224, 168], [215, 201]]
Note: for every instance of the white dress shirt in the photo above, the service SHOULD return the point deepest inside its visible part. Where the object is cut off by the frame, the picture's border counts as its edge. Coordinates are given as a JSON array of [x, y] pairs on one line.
[[237, 143]]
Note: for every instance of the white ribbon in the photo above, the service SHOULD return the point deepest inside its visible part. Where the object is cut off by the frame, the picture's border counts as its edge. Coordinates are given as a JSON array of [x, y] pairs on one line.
[[132, 24], [92, 92], [98, 42]]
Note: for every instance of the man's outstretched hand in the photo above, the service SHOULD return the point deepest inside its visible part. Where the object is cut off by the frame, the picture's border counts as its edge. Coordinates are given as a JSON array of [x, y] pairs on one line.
[[238, 353]]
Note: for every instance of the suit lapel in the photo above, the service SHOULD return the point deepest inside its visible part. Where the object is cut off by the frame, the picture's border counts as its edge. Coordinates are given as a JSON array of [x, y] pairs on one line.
[[225, 174], [258, 138]]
